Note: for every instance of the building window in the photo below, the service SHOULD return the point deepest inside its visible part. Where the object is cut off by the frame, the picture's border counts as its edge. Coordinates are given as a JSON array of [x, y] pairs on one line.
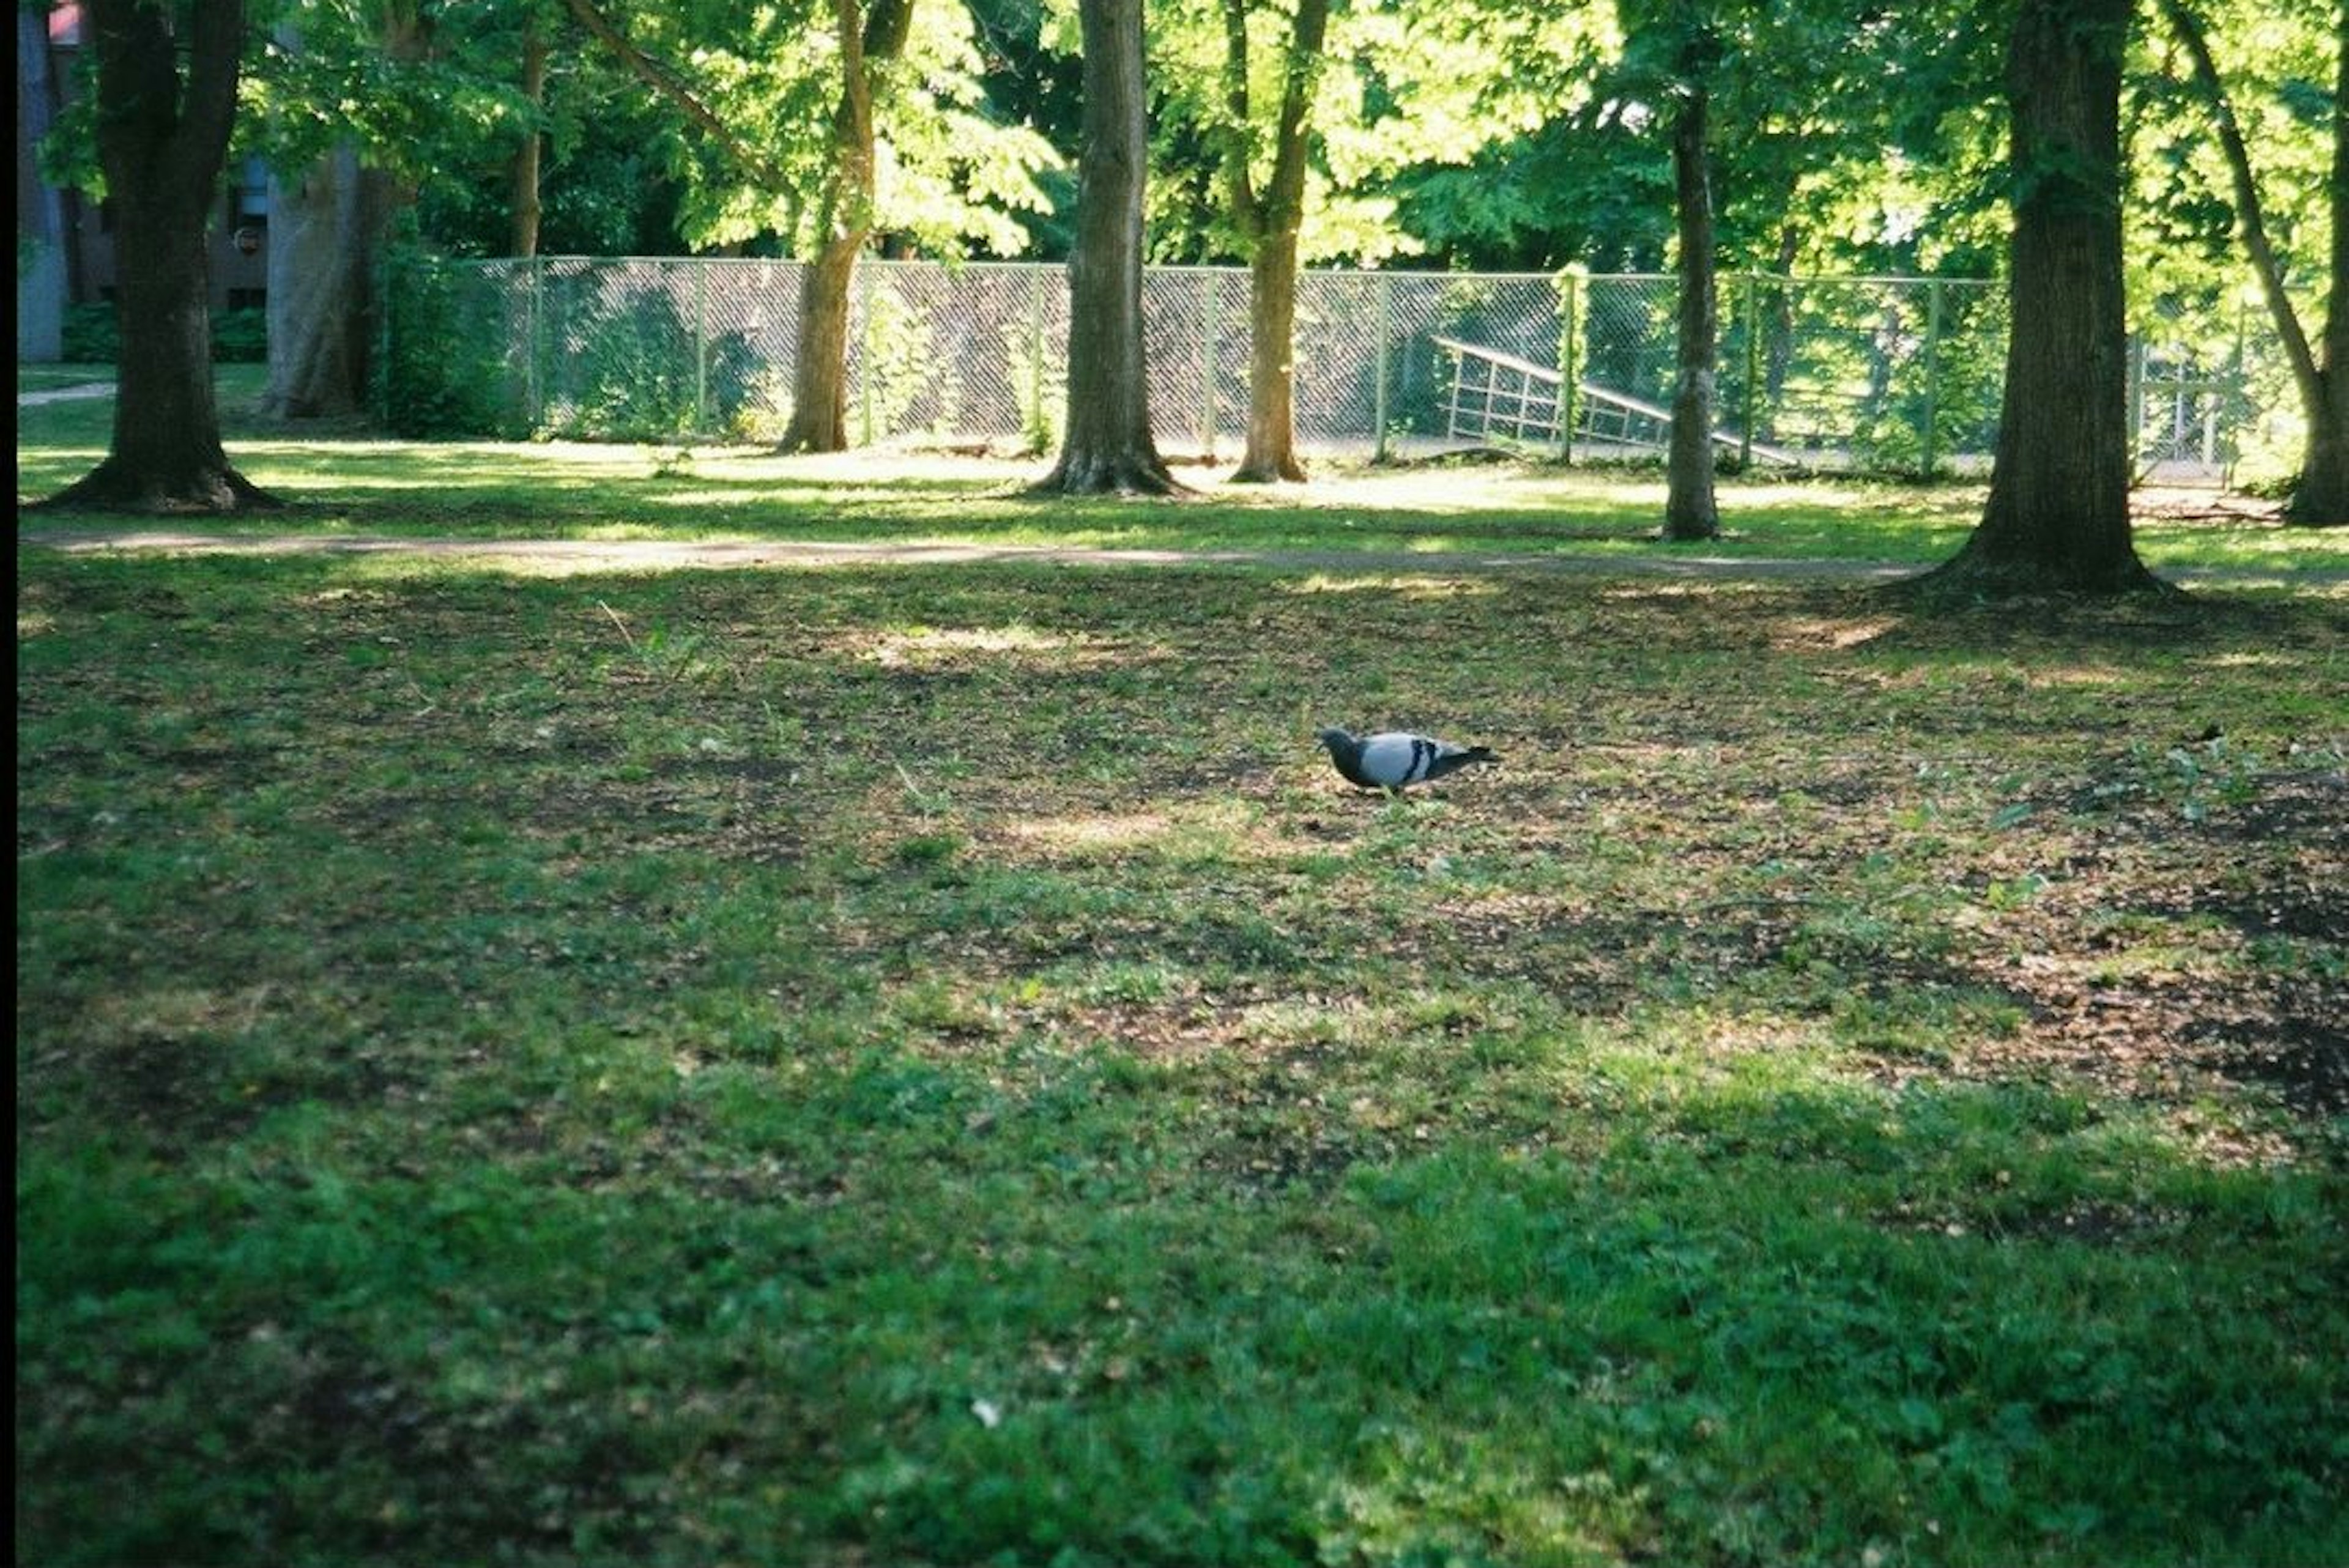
[[251, 208]]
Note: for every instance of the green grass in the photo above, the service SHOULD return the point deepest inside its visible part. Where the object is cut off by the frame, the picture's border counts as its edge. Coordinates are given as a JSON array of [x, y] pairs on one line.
[[353, 483], [927, 1065]]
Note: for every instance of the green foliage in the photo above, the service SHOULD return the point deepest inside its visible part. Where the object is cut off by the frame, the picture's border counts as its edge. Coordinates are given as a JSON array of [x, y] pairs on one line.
[[952, 178], [92, 336], [448, 371], [240, 336]]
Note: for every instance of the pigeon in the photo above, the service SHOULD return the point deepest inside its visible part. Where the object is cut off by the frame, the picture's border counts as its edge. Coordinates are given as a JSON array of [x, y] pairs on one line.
[[1390, 761]]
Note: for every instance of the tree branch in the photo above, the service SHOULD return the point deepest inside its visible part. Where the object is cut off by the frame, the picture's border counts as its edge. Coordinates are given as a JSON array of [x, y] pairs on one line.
[[1295, 106], [1245, 210], [671, 85], [2248, 214]]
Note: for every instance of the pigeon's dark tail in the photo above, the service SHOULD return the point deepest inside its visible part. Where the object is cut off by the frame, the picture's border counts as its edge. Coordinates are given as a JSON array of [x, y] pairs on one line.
[[1453, 761]]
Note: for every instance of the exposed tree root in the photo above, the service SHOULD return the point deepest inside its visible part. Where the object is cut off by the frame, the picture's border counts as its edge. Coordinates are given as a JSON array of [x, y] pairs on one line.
[[110, 487], [1109, 473]]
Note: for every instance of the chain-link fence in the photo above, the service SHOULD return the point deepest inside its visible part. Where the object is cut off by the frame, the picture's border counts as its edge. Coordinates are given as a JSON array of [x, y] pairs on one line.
[[1890, 375]]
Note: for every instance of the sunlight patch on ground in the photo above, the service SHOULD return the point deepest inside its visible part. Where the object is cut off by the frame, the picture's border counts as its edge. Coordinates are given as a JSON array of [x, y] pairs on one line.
[[1821, 632], [2077, 675], [937, 647], [1408, 587], [1091, 833]]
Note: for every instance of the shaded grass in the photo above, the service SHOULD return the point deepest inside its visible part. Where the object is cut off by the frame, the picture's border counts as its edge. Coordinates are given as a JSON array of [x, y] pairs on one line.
[[930, 1067]]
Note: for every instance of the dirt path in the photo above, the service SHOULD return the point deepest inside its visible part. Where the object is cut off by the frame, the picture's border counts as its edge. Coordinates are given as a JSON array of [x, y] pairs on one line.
[[649, 554], [566, 556]]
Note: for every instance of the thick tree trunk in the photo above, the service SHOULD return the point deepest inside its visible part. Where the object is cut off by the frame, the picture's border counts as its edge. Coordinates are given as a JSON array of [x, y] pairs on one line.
[[161, 142], [2321, 499], [818, 420], [1690, 510], [2058, 519], [1107, 446], [326, 234], [820, 366], [1271, 453]]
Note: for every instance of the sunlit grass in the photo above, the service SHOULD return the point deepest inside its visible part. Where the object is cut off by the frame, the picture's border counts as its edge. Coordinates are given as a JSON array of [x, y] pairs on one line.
[[1493, 511]]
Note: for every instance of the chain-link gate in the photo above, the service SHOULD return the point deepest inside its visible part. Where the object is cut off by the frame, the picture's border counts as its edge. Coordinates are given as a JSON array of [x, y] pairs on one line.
[[1885, 375]]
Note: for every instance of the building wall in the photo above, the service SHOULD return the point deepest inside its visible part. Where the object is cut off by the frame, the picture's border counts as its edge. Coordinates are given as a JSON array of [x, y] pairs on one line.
[[65, 242]]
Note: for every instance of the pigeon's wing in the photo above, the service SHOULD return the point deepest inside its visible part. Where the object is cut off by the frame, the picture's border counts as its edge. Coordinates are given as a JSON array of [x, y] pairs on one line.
[[1395, 758]]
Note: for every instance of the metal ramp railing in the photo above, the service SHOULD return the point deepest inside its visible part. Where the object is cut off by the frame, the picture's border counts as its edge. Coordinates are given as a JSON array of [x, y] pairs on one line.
[[1498, 395]]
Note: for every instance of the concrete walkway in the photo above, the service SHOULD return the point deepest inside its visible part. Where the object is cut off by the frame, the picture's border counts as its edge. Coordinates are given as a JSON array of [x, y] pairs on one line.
[[66, 394]]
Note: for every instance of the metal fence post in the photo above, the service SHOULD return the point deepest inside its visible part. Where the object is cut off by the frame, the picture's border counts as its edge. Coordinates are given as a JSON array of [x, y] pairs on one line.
[[535, 396], [2238, 400], [700, 265], [1570, 354], [865, 353], [1384, 314], [2135, 398], [1752, 370], [1207, 331], [1036, 356], [1931, 433]]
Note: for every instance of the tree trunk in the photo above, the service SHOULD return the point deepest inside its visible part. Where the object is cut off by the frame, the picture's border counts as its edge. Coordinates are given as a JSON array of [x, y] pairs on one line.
[[327, 234], [818, 420], [161, 141], [820, 368], [1689, 511], [1271, 222], [1271, 453], [527, 209], [2322, 499], [2057, 519], [1107, 446], [819, 364]]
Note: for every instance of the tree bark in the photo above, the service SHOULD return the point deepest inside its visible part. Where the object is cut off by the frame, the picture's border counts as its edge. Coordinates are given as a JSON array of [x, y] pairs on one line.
[[2057, 519], [1271, 452], [328, 231], [529, 156], [161, 141], [2322, 497], [327, 234], [1270, 221], [819, 421], [1689, 510], [1107, 448]]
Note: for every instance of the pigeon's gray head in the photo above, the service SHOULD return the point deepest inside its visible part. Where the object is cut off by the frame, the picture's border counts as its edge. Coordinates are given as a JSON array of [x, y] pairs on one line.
[[1333, 737]]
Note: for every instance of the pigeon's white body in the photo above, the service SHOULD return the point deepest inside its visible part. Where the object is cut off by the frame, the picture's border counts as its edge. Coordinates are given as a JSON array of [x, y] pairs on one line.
[[1394, 758]]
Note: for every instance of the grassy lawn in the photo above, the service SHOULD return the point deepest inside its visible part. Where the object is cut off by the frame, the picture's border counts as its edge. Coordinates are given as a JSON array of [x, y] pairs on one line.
[[571, 490], [904, 1065]]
